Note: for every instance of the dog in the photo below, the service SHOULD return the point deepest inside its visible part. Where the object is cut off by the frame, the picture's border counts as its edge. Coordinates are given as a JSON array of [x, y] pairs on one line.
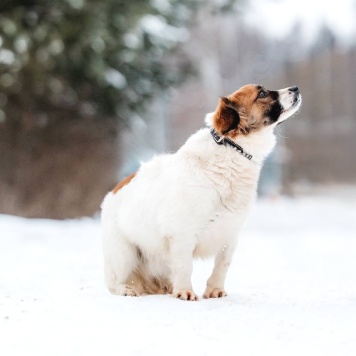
[[191, 204]]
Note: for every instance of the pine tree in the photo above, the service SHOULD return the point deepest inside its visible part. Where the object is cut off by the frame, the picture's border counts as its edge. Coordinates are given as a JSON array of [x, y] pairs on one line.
[[72, 71], [103, 58]]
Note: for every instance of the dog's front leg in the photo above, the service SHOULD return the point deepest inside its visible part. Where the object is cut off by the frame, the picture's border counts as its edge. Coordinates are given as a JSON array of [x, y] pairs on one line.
[[181, 256], [216, 282]]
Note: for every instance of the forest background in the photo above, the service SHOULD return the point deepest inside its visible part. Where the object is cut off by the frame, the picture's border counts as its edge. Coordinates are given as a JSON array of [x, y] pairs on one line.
[[88, 89]]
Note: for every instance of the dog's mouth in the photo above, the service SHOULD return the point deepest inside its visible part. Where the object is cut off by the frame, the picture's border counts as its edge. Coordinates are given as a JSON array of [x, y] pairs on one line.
[[295, 105], [297, 101]]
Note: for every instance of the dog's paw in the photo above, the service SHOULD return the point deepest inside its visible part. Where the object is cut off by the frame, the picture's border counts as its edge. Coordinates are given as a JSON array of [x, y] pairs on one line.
[[185, 294], [124, 290], [211, 292], [130, 292], [167, 289]]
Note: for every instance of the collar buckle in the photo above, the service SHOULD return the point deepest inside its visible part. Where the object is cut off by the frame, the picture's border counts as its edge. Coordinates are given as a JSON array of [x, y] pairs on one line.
[[219, 140], [248, 156]]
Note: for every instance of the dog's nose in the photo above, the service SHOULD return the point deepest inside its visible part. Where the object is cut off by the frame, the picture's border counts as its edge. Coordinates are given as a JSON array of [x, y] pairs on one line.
[[294, 90]]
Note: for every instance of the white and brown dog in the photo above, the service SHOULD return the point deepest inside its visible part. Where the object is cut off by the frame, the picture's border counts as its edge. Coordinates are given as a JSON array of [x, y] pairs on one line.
[[191, 204]]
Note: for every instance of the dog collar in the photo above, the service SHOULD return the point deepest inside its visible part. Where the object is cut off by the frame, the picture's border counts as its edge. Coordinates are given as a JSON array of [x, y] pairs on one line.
[[220, 140]]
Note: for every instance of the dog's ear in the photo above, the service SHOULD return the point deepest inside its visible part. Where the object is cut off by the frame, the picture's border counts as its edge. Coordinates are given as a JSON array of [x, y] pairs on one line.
[[227, 102], [226, 117]]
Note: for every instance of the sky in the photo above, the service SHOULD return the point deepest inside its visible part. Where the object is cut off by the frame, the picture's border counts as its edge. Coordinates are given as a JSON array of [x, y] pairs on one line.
[[277, 17]]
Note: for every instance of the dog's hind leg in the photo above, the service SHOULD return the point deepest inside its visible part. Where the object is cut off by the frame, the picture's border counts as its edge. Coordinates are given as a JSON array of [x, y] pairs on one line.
[[120, 259]]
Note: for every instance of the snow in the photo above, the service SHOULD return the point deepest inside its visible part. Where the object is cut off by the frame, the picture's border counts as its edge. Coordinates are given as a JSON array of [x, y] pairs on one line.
[[6, 56], [292, 290], [115, 78], [161, 33]]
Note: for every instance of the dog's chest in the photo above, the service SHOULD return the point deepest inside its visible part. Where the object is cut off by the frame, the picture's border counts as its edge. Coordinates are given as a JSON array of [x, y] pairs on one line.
[[220, 230], [221, 227]]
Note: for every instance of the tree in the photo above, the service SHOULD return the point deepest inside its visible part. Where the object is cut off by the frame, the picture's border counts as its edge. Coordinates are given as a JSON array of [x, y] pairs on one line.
[[70, 70], [105, 58]]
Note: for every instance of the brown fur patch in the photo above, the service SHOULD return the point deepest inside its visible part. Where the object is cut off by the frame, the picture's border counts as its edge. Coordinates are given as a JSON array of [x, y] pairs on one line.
[[245, 105], [126, 181], [143, 283]]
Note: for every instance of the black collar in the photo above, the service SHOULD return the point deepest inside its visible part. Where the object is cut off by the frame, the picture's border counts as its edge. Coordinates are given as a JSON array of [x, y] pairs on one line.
[[220, 140]]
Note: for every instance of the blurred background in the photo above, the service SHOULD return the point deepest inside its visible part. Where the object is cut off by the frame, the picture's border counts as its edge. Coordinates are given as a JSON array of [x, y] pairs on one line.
[[89, 89]]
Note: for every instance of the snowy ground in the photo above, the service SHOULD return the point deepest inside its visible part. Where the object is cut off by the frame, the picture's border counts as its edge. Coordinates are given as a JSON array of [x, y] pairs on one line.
[[292, 291]]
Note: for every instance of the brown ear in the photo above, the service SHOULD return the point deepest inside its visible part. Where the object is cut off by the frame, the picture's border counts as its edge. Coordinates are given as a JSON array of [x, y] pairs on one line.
[[226, 116]]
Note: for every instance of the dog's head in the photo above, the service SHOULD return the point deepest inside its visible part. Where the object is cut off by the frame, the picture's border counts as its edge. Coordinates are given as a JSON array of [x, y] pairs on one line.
[[253, 108]]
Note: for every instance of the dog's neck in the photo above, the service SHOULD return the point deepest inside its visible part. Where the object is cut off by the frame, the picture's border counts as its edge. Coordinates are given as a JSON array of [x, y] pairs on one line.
[[221, 140], [258, 144]]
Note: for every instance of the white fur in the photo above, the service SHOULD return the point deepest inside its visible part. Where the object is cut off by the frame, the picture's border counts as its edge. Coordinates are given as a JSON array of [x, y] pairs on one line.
[[179, 206], [286, 98]]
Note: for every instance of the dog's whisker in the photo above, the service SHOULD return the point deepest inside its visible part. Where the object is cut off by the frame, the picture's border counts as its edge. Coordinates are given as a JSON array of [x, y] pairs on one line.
[[278, 131]]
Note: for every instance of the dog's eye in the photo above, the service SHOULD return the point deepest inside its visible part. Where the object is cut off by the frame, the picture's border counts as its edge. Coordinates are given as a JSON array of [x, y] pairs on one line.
[[262, 94]]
